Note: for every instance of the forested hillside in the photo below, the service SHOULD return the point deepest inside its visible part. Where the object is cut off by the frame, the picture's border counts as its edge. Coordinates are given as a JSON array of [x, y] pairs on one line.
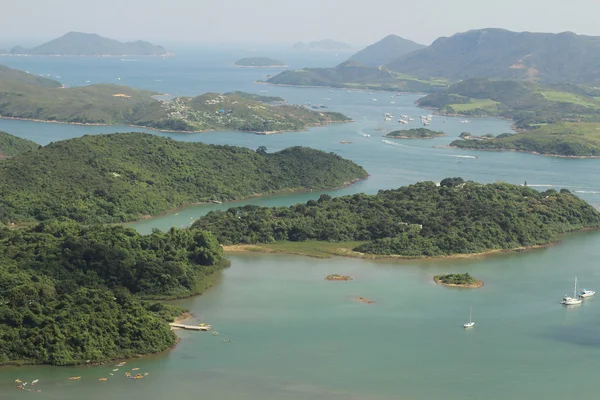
[[122, 177], [69, 294]]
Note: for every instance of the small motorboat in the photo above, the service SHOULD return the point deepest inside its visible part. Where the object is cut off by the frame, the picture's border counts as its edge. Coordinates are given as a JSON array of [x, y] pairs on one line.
[[470, 324], [587, 293]]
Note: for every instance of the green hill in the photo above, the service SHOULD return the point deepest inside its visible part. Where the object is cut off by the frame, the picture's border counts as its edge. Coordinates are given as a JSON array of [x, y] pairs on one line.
[[562, 139], [527, 103], [259, 62], [72, 294], [385, 51], [13, 76], [122, 177], [25, 96], [87, 44], [353, 75], [414, 221], [502, 54], [12, 145]]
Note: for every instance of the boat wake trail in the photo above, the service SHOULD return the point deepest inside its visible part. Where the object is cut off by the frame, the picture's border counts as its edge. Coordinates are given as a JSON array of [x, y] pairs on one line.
[[587, 192], [458, 156]]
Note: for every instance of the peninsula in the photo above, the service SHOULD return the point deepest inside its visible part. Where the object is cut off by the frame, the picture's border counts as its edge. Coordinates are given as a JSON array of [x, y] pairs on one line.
[[126, 176], [420, 220], [415, 133], [23, 96], [354, 75], [89, 44], [458, 280], [262, 62], [90, 303], [561, 139]]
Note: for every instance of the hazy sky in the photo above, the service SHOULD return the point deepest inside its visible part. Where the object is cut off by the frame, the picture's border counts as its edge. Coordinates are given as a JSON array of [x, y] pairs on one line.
[[281, 21]]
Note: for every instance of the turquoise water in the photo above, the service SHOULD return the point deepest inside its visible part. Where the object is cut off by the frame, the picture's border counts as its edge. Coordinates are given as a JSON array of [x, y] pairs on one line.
[[296, 336]]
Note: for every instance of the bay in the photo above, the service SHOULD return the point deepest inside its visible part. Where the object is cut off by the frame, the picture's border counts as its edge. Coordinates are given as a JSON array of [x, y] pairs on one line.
[[295, 335]]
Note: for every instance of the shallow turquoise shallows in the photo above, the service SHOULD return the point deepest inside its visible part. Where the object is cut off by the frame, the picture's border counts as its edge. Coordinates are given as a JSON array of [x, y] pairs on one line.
[[295, 335]]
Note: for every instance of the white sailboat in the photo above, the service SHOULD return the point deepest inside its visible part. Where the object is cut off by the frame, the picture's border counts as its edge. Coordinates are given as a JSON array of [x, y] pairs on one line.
[[570, 301], [470, 324]]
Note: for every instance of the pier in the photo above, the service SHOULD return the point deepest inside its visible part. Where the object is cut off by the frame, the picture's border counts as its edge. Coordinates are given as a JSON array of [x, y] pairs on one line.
[[201, 327]]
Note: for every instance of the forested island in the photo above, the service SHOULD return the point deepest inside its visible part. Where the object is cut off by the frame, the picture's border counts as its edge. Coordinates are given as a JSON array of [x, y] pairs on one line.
[[415, 133], [125, 176], [420, 220], [11, 145], [73, 295], [259, 62], [562, 139], [527, 103], [24, 96], [90, 44], [458, 280]]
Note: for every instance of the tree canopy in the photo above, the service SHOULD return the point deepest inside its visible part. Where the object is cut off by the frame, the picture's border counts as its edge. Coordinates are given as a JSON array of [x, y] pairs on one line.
[[121, 177], [423, 219], [70, 293]]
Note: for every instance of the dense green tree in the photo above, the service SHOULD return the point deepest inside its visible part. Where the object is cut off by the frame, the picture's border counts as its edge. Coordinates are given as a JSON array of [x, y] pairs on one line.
[[122, 177], [70, 293]]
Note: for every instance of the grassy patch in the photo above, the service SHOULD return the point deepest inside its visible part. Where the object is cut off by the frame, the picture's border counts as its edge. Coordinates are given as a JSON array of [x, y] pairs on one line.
[[563, 139], [566, 97], [474, 104], [310, 248]]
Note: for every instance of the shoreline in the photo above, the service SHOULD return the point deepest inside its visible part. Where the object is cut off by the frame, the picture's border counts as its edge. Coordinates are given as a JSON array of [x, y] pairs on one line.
[[347, 252], [307, 127], [253, 196], [478, 284], [30, 363], [351, 88], [527, 152]]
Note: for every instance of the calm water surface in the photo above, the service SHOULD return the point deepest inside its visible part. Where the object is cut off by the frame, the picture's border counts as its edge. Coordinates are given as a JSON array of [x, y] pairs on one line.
[[295, 335]]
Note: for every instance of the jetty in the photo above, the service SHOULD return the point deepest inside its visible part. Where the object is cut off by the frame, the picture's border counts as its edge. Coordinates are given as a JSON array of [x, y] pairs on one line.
[[200, 327]]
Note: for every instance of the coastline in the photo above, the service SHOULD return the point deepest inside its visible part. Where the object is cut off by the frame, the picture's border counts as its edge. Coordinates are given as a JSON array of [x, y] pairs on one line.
[[253, 196], [23, 363], [348, 252], [525, 151], [308, 126], [351, 88]]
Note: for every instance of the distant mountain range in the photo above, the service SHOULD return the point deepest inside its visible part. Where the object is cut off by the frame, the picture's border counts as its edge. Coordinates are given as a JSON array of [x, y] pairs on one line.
[[323, 45], [502, 54], [547, 58], [385, 51], [90, 44]]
